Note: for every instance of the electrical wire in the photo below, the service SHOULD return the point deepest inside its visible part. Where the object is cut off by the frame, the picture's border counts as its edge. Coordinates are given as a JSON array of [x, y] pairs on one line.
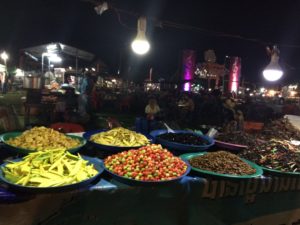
[[223, 34], [116, 11], [162, 24], [175, 25]]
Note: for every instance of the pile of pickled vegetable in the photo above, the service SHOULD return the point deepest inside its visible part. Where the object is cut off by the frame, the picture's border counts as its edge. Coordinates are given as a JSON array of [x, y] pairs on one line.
[[48, 169], [120, 137], [42, 138]]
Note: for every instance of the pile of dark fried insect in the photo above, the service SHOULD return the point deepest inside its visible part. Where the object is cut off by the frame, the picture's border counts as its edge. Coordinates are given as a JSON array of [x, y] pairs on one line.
[[222, 162]]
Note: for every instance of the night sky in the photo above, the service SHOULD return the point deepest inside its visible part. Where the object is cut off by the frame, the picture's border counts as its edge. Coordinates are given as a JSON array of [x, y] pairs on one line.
[[73, 22]]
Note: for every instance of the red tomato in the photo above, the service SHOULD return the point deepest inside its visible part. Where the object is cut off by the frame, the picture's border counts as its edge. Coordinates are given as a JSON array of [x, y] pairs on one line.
[[149, 163]]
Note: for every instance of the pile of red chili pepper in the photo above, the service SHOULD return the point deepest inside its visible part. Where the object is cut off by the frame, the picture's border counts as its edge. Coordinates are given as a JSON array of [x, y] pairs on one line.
[[274, 154]]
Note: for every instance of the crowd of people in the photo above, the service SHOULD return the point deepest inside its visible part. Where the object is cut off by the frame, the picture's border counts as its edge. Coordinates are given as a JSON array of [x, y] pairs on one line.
[[182, 108]]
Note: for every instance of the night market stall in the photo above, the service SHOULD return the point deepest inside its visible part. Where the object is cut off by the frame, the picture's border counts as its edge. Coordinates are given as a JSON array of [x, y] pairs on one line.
[[55, 86], [54, 59], [121, 178], [230, 172]]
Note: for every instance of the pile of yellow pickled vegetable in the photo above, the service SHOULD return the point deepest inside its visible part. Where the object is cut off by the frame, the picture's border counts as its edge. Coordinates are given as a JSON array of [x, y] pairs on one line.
[[49, 169], [42, 138], [120, 137]]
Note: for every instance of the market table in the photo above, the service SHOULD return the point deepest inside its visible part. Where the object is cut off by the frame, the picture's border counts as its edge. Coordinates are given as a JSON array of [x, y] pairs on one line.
[[193, 200]]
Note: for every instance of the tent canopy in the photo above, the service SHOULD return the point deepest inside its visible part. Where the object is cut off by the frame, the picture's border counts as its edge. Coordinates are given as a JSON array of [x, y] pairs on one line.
[[59, 48]]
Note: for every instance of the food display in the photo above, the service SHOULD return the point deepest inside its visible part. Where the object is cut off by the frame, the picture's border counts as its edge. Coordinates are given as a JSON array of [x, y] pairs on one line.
[[184, 138], [148, 163], [222, 162], [42, 138], [182, 141], [239, 138], [276, 155], [280, 129], [120, 137], [48, 169]]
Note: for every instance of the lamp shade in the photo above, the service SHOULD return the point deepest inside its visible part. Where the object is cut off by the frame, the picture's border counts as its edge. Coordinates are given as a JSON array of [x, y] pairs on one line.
[[140, 44]]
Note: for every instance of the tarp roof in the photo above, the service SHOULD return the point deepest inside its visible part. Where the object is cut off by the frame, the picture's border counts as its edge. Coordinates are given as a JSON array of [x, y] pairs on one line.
[[59, 48]]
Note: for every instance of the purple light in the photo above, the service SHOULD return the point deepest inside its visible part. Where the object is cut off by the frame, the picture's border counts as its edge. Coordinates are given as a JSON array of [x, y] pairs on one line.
[[188, 68], [187, 86], [189, 62], [188, 75]]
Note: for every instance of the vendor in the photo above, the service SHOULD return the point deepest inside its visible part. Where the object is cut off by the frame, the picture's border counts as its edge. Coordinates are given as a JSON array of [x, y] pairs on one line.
[[152, 109]]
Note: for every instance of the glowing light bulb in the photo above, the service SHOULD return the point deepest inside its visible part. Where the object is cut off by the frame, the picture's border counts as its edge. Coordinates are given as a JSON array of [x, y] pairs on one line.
[[273, 71], [272, 75], [140, 44]]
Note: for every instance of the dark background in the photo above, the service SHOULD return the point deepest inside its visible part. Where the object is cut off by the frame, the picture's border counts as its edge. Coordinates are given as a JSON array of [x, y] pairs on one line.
[[73, 22]]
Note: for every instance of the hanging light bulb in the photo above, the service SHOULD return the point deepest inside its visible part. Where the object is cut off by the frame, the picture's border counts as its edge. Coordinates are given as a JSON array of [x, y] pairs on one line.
[[140, 44], [273, 71]]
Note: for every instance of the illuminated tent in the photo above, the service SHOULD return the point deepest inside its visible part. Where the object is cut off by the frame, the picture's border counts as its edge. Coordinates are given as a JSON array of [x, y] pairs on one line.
[[56, 53], [36, 52]]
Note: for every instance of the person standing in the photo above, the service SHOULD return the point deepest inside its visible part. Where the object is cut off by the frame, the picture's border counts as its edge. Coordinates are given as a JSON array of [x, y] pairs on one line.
[[83, 98]]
